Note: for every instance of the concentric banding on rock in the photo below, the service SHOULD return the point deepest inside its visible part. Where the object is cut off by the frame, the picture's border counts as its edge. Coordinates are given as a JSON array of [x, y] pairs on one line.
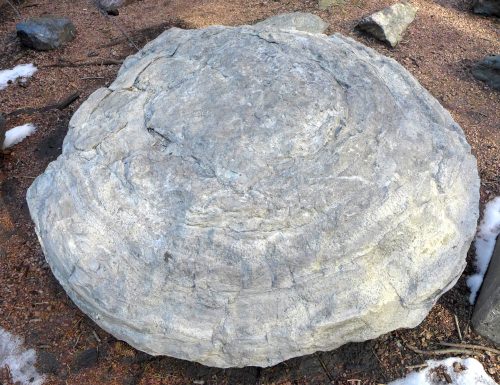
[[240, 196]]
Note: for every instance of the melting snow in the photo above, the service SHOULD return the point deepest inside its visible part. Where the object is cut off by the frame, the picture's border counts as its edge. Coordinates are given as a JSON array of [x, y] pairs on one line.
[[17, 134], [459, 371], [20, 362], [19, 71], [485, 243]]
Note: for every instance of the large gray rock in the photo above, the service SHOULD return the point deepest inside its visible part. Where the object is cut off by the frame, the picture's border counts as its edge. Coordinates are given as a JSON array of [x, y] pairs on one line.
[[46, 33], [488, 71], [487, 7], [295, 21], [389, 24], [241, 196], [486, 316]]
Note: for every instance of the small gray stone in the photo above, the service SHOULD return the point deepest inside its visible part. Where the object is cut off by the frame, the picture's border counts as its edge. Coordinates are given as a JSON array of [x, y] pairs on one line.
[[488, 71], [389, 24], [296, 21], [325, 4], [486, 317], [240, 196], [487, 7], [112, 5], [46, 33]]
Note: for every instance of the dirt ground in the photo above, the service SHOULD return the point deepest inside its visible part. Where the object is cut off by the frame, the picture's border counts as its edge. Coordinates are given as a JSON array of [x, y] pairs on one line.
[[438, 49]]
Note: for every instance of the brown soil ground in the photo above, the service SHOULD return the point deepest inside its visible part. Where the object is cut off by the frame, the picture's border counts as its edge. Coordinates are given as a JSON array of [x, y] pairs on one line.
[[438, 49]]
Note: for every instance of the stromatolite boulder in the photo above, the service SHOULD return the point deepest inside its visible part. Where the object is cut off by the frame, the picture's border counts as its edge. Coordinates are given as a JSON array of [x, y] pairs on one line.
[[295, 21], [239, 196]]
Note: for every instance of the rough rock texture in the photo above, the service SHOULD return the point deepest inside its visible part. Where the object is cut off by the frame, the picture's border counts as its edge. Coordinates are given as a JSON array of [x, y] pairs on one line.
[[45, 33], [389, 24], [295, 21], [487, 7], [241, 196], [488, 71], [486, 317], [112, 5]]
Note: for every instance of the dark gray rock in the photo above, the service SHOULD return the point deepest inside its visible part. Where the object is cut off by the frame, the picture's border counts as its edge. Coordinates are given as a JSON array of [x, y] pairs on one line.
[[240, 196], [389, 24], [487, 7], [295, 21], [85, 359], [47, 363], [46, 33], [486, 317], [488, 71]]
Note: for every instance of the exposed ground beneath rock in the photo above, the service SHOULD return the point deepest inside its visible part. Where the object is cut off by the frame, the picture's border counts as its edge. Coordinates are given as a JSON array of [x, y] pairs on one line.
[[438, 49]]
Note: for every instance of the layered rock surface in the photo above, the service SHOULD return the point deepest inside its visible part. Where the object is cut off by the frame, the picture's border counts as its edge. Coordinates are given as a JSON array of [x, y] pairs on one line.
[[241, 196], [389, 24]]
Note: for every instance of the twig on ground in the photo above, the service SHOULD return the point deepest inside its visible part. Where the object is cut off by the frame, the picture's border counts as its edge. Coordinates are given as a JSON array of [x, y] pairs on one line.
[[77, 340], [469, 346], [67, 101], [96, 336], [458, 327], [380, 363], [55, 106], [324, 367], [419, 366], [141, 33], [14, 8], [30, 5], [441, 351], [93, 78]]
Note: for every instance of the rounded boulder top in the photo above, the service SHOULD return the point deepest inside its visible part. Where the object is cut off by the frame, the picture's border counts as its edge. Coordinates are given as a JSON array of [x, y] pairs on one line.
[[243, 195]]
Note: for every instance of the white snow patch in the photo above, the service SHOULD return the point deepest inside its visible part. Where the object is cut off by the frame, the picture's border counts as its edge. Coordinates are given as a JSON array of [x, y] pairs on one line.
[[485, 244], [17, 134], [20, 362], [19, 71], [468, 372]]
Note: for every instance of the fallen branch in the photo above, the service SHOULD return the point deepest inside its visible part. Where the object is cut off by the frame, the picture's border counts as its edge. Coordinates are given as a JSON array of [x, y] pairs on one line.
[[458, 327], [467, 346], [441, 351], [14, 8], [67, 63], [30, 5], [144, 33], [55, 106], [324, 367], [102, 12]]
